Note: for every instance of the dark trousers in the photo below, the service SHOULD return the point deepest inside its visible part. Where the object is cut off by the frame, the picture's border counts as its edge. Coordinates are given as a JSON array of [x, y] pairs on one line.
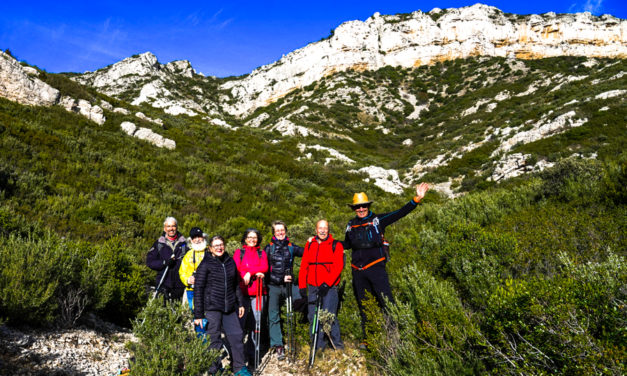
[[329, 303], [277, 294], [218, 322], [375, 281]]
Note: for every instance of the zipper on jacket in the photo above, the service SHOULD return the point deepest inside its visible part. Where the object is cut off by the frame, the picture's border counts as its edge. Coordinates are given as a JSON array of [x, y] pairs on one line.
[[225, 288]]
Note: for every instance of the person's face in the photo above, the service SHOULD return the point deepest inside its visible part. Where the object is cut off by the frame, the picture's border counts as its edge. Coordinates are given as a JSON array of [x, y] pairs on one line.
[[170, 229], [279, 232], [362, 211], [322, 230], [198, 240], [217, 247], [251, 239]]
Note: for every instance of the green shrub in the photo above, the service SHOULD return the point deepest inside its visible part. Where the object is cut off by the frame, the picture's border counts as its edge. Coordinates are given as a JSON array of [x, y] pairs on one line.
[[167, 344], [35, 278], [427, 332], [571, 324], [115, 282]]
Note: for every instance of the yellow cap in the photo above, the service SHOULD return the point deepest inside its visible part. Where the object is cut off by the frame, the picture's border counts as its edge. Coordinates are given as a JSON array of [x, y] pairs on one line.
[[360, 199]]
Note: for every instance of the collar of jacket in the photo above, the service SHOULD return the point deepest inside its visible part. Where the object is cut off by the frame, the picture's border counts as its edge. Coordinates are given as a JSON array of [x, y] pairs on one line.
[[179, 238], [280, 242], [247, 248], [328, 239], [366, 218]]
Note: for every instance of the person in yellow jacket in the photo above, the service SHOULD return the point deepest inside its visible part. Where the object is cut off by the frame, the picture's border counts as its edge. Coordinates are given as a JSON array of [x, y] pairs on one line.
[[190, 263]]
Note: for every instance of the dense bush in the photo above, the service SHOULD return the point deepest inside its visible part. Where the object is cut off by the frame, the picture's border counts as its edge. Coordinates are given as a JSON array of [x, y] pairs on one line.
[[167, 342], [47, 280]]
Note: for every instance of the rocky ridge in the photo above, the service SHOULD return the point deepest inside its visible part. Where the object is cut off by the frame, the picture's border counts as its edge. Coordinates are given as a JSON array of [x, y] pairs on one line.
[[157, 82], [423, 38], [20, 84]]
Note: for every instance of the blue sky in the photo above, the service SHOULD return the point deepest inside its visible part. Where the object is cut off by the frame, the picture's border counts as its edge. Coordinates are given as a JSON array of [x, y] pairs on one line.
[[218, 38]]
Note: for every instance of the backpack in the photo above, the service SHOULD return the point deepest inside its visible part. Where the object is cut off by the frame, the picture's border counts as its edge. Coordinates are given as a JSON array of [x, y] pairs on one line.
[[375, 236], [289, 246]]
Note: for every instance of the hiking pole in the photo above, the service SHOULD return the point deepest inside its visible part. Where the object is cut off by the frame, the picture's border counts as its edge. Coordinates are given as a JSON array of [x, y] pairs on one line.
[[290, 323], [258, 306], [165, 272], [314, 332]]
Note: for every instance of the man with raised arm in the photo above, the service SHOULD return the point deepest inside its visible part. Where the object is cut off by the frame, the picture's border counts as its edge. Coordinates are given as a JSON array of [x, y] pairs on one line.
[[365, 235]]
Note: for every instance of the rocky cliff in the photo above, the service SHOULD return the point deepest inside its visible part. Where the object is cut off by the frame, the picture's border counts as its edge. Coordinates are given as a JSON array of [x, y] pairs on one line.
[[18, 85], [421, 38]]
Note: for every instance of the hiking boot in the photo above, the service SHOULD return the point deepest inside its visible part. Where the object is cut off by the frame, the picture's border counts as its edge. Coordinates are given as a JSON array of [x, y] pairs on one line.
[[280, 352], [243, 372], [363, 346]]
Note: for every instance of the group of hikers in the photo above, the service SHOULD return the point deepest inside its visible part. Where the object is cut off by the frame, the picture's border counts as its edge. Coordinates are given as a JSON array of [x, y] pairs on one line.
[[228, 294]]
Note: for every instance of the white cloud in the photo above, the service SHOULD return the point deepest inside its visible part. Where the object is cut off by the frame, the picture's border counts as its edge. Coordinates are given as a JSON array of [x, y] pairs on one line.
[[592, 6]]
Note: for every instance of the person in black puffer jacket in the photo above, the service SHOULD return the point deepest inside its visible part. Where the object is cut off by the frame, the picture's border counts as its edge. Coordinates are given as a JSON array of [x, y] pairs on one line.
[[218, 298], [281, 255]]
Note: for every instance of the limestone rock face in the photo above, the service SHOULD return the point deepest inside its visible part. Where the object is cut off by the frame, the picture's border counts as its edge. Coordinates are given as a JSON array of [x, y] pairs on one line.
[[16, 84], [182, 67], [422, 38], [387, 180], [83, 107], [146, 72], [114, 79], [147, 135]]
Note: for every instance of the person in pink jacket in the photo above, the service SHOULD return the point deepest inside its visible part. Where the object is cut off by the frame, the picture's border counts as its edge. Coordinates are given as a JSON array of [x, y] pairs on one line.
[[252, 264]]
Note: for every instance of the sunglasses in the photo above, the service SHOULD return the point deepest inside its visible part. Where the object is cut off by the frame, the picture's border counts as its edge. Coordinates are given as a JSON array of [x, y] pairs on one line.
[[361, 207]]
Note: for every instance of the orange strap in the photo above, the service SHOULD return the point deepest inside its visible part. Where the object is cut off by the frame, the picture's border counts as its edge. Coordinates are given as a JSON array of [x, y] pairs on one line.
[[369, 265], [362, 225]]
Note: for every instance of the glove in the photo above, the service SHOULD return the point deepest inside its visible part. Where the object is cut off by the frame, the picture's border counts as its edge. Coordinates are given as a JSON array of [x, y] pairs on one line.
[[323, 289], [170, 262]]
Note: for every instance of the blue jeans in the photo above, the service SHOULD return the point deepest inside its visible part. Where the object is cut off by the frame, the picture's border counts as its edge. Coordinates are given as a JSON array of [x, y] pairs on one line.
[[200, 330]]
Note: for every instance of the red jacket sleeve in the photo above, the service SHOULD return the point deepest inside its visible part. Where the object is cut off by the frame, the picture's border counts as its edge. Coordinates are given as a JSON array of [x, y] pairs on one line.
[[338, 265], [304, 265]]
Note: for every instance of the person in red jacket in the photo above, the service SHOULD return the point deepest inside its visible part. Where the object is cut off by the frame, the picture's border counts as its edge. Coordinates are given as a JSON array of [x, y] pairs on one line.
[[320, 270]]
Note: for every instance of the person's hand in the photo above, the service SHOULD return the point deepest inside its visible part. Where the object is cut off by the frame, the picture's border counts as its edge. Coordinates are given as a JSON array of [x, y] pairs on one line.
[[323, 289], [287, 278], [421, 190], [199, 322], [241, 312], [191, 280], [170, 262], [259, 275], [247, 278]]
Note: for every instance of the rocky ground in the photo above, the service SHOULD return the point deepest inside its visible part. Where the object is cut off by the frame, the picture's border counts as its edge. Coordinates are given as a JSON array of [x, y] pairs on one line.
[[78, 351], [86, 351]]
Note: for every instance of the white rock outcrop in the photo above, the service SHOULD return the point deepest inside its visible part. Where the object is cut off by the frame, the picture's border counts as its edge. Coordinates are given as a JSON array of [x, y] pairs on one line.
[[83, 107], [18, 86], [335, 155], [417, 39], [147, 135], [387, 180], [541, 129]]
